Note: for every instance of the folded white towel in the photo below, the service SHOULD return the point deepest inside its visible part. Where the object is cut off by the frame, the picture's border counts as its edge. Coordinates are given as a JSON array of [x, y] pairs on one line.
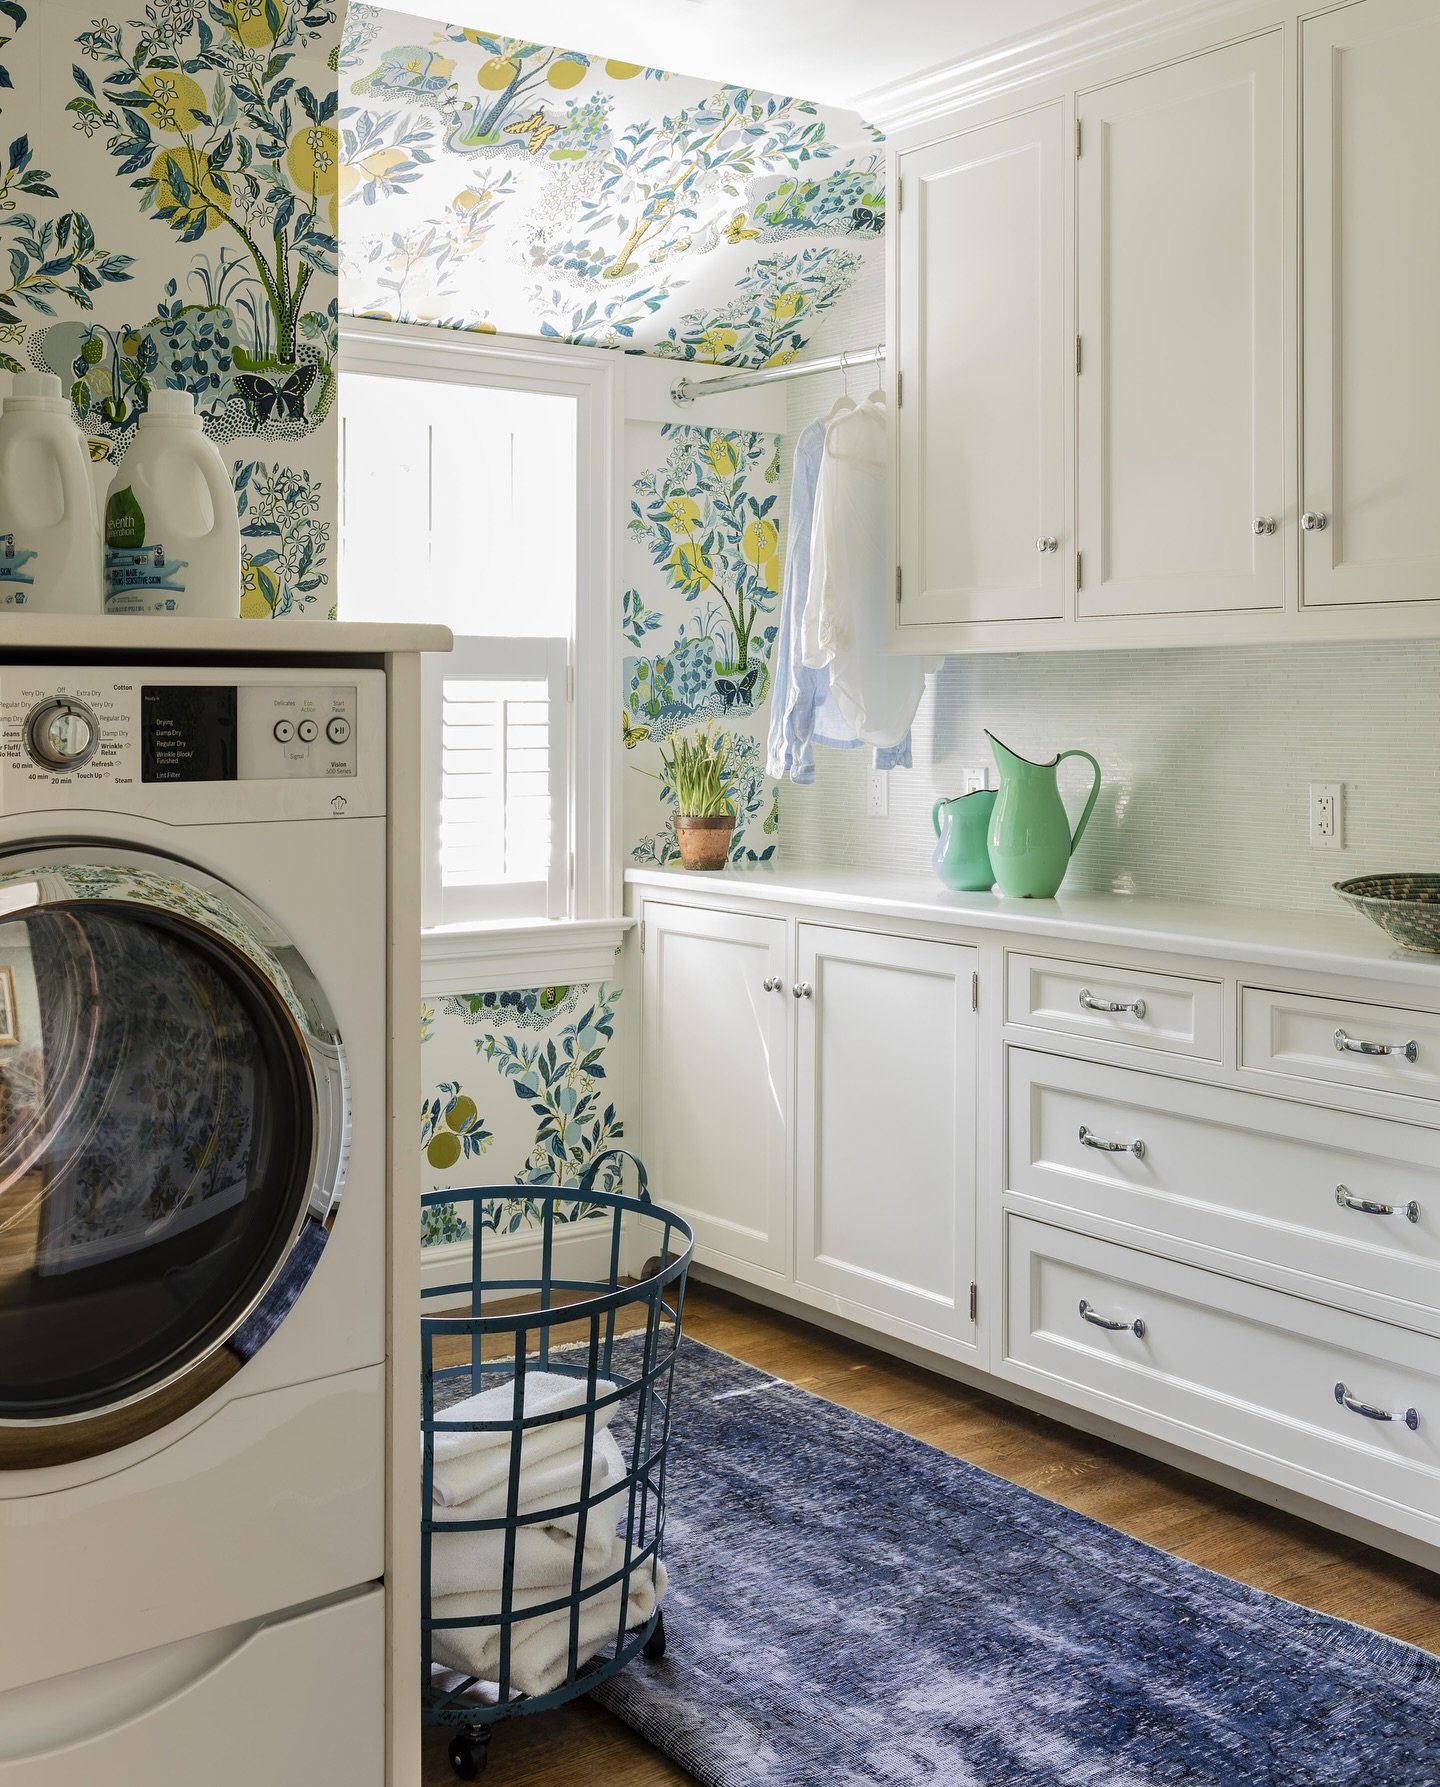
[[464, 1563], [554, 1482], [539, 1648], [468, 1464]]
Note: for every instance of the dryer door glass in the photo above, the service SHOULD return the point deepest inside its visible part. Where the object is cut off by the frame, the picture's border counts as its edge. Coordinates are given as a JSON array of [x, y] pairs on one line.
[[157, 1137]]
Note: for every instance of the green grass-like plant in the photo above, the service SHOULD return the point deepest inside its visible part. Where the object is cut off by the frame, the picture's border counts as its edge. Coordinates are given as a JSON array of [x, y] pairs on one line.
[[697, 770]]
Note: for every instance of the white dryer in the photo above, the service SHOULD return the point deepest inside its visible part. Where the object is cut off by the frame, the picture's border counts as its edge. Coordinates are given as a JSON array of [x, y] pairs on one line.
[[193, 1058]]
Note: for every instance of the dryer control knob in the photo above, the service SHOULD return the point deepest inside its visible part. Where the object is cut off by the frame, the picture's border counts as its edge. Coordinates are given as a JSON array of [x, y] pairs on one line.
[[62, 734]]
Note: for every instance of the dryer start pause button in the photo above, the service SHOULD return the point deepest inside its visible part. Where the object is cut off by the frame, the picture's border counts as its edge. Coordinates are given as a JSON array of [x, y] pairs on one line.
[[297, 731]]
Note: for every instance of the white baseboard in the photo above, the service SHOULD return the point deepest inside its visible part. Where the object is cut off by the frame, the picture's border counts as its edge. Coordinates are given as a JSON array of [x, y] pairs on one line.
[[579, 1250]]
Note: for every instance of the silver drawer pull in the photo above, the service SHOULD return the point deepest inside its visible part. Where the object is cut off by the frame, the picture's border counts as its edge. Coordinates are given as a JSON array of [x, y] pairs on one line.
[[1137, 1327], [1353, 1046], [772, 983], [802, 989], [1090, 1003], [1410, 1417], [1091, 1140], [1410, 1211]]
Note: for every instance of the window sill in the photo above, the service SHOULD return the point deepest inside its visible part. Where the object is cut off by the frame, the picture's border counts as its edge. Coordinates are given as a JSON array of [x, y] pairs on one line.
[[518, 954]]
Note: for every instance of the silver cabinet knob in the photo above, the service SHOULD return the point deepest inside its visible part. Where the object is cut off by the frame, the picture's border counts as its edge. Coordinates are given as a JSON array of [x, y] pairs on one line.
[[1263, 524], [802, 989], [1047, 543], [772, 983], [1314, 523]]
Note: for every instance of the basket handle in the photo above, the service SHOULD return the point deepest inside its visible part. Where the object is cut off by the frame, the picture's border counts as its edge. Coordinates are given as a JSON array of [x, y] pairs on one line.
[[591, 1173]]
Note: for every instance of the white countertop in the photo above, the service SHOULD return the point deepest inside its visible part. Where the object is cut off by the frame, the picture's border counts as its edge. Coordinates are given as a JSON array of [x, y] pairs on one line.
[[78, 634], [1344, 943]]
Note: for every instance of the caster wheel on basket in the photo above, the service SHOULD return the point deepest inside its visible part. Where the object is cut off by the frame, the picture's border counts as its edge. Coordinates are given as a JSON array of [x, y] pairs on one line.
[[655, 1643], [469, 1752]]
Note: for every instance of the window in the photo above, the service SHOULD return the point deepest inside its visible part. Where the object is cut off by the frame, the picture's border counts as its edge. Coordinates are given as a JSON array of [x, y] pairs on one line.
[[476, 494]]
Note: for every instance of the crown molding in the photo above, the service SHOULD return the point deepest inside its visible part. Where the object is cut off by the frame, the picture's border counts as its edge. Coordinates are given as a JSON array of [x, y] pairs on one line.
[[1067, 45]]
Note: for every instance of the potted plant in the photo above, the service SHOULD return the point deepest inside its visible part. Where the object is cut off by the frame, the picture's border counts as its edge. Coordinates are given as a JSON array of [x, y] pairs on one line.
[[704, 812]]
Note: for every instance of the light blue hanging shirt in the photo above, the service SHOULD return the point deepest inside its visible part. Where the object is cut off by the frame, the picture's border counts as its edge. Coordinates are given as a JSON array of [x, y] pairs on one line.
[[803, 712]]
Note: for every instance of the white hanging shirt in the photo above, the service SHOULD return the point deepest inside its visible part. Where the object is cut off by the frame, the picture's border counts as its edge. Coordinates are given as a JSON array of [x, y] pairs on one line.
[[846, 622]]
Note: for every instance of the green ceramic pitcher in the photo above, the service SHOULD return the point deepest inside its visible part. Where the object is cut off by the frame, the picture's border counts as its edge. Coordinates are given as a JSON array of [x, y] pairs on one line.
[[1030, 838], [962, 857]]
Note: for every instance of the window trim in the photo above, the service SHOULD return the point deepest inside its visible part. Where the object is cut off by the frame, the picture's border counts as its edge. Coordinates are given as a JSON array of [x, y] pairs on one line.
[[592, 377]]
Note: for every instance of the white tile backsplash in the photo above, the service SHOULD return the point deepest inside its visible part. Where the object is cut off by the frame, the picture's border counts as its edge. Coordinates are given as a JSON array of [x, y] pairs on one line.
[[1208, 753]]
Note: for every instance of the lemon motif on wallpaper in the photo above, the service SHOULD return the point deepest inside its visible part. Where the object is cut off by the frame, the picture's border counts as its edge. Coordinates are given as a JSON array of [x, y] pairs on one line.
[[451, 1127]]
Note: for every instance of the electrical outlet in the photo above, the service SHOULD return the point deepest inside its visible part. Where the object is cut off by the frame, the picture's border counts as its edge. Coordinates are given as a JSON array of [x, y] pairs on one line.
[[1327, 815], [877, 793], [974, 780]]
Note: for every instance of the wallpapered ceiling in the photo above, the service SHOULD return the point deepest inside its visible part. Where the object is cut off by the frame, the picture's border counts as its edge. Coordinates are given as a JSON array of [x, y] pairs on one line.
[[169, 180], [703, 569], [519, 1093], [493, 183]]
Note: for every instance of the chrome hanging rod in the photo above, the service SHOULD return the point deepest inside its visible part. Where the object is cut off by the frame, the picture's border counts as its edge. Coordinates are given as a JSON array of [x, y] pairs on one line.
[[686, 390]]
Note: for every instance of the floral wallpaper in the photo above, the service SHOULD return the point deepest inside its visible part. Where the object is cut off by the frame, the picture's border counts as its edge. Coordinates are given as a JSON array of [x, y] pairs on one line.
[[169, 203], [493, 183], [519, 1093], [699, 621]]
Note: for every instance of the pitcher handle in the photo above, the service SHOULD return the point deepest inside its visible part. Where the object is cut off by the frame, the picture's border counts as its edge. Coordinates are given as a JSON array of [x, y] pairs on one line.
[[935, 815], [1089, 804]]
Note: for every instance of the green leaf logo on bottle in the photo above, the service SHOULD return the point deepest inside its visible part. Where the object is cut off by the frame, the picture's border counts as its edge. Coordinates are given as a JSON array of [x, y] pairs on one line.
[[124, 520]]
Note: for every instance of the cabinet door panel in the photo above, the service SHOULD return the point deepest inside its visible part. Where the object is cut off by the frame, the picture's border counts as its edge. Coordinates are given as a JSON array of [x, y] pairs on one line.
[[1370, 75], [885, 1148], [980, 348], [717, 1079], [1180, 246]]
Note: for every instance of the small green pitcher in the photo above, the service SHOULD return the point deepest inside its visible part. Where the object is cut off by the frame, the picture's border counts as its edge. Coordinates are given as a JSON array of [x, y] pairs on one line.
[[962, 857], [1030, 839]]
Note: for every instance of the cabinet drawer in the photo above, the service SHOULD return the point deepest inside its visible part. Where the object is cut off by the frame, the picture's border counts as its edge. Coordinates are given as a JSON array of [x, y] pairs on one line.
[[1311, 1037], [1161, 1011], [1255, 1369], [1251, 1176]]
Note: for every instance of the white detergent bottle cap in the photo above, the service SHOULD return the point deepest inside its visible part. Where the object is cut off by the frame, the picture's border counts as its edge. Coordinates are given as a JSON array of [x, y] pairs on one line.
[[43, 385], [170, 406]]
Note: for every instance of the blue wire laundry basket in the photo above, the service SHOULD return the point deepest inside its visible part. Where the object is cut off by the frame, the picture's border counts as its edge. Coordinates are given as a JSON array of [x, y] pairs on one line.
[[619, 1341]]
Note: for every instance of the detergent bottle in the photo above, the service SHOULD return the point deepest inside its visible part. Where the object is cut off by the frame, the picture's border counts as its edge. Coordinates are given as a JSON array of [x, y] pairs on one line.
[[49, 532], [172, 531]]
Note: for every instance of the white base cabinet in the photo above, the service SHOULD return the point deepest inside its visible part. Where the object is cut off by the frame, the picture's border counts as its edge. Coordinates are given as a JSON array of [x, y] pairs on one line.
[[885, 1124], [1183, 1213], [716, 1073], [809, 1102]]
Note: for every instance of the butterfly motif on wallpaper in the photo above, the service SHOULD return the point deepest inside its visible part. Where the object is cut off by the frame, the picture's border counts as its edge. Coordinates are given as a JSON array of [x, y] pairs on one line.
[[535, 130], [264, 397], [737, 691], [736, 230], [634, 735]]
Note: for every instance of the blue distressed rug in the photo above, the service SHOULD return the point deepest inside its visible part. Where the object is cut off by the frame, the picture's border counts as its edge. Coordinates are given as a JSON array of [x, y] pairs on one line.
[[850, 1606]]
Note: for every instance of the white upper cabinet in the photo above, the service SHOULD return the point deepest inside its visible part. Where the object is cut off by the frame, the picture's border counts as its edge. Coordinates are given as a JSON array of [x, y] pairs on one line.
[[1371, 467], [1180, 236], [979, 345]]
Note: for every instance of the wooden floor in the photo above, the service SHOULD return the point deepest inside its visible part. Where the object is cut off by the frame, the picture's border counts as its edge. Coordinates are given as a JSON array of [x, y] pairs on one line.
[[582, 1746]]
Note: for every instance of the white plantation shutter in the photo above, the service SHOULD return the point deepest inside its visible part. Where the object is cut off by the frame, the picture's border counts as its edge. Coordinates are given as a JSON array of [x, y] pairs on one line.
[[497, 780]]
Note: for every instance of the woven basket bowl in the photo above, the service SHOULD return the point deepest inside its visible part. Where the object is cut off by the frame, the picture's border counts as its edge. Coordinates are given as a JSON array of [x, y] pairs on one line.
[[1406, 907]]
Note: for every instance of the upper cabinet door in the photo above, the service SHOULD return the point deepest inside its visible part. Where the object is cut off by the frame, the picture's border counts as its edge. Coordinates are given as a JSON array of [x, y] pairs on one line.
[[1371, 471], [1180, 245], [979, 329]]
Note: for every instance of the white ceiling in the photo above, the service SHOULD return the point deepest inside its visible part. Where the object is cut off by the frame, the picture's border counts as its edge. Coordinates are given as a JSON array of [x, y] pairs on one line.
[[826, 50]]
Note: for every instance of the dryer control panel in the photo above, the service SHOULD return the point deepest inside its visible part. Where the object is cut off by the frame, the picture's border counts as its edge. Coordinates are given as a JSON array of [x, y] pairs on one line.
[[193, 743]]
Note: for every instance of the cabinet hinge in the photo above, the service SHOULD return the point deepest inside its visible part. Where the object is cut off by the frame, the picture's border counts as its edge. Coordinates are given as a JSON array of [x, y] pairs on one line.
[[1079, 573], [974, 1301], [899, 196], [1077, 139], [899, 389], [899, 578], [974, 992], [1077, 356], [642, 936], [570, 684]]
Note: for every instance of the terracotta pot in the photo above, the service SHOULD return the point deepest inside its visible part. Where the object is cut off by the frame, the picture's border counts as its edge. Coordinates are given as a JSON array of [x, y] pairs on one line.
[[704, 843]]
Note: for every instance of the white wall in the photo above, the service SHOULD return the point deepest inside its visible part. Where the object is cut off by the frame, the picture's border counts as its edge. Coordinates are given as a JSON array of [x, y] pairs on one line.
[[1208, 754]]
